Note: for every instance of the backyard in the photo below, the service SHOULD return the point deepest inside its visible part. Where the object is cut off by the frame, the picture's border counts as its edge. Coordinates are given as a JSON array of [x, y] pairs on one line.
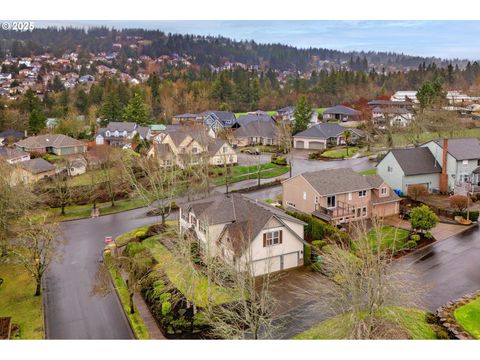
[[392, 238], [468, 317], [17, 300]]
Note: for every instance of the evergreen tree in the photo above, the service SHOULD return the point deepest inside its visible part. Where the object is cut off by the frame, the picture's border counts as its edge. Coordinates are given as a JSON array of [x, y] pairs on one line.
[[137, 111], [303, 114], [111, 109], [36, 121]]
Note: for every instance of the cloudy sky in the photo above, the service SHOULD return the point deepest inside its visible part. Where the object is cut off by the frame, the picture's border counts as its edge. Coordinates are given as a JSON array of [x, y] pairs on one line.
[[446, 39]]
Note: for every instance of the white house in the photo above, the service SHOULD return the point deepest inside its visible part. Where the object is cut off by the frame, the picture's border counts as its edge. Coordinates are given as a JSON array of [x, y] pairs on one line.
[[247, 234]]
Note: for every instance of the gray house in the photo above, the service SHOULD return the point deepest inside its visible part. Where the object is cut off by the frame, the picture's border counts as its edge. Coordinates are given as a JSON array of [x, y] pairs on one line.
[[324, 135], [401, 168], [341, 113]]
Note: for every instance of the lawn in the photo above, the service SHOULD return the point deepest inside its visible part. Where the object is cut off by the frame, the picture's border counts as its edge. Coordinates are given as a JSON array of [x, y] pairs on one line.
[[76, 212], [241, 173], [368, 172], [136, 321], [341, 153], [392, 238], [320, 110], [270, 112], [185, 280], [125, 238], [401, 139], [411, 320], [17, 301], [468, 317]]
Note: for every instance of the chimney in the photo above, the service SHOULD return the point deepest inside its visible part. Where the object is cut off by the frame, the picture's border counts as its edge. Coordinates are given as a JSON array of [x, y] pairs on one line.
[[443, 184]]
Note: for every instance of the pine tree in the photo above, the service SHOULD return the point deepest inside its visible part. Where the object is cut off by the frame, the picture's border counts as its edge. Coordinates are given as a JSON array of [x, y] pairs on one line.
[[111, 109], [137, 111], [36, 121], [303, 114]]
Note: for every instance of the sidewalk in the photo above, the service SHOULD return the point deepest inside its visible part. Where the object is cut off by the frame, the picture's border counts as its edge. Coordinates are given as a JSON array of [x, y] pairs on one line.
[[151, 324], [440, 232]]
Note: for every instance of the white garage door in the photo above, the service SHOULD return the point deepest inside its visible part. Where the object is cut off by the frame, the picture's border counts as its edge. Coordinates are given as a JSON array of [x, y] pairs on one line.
[[299, 144], [290, 260], [316, 145], [268, 265]]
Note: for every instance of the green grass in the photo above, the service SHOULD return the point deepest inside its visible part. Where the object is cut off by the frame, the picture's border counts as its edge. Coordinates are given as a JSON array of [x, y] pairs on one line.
[[17, 301], [411, 320], [136, 321], [368, 172], [341, 153], [193, 286], [319, 110], [125, 238], [468, 317], [241, 173], [77, 212], [392, 238], [401, 139], [270, 112]]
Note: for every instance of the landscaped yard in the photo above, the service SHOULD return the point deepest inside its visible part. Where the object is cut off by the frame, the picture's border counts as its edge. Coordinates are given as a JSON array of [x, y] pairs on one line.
[[368, 172], [341, 153], [412, 321], [17, 301], [468, 317], [240, 173], [76, 212], [391, 238], [192, 287]]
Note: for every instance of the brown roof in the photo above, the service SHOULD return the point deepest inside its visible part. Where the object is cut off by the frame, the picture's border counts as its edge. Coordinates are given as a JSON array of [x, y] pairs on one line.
[[392, 196], [10, 153], [49, 140], [374, 180], [337, 181]]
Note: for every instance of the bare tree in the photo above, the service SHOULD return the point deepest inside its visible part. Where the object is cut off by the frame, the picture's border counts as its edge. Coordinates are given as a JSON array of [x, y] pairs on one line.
[[284, 138], [109, 159], [365, 285], [37, 246], [60, 191]]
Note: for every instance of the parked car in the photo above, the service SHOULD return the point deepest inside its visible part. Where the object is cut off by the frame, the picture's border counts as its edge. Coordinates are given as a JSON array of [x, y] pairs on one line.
[[252, 151]]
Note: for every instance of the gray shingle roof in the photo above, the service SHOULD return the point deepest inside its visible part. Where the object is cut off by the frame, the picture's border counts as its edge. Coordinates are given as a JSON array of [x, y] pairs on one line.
[[463, 149], [392, 196], [416, 161], [49, 140], [374, 180], [10, 153], [247, 119], [257, 128], [337, 181], [326, 131], [121, 126], [37, 166], [343, 110], [222, 116]]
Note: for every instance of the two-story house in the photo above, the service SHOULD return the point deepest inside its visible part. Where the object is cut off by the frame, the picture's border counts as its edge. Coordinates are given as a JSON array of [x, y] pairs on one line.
[[340, 195], [121, 133], [219, 120], [247, 234]]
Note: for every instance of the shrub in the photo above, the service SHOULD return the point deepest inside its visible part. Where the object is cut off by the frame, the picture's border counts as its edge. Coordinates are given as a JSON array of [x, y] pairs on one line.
[[411, 244], [166, 308], [459, 202], [155, 229], [173, 205], [428, 235], [417, 190], [319, 244], [431, 318], [307, 255], [314, 156], [415, 237], [423, 218], [472, 215], [141, 234], [134, 248], [279, 160]]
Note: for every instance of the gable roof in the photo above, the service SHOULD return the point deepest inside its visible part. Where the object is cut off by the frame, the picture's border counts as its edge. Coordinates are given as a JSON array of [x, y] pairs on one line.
[[374, 180], [17, 135], [337, 181], [343, 110], [257, 128], [222, 116], [416, 161], [37, 166], [326, 131], [246, 119], [49, 140], [121, 126], [10, 153], [391, 110], [462, 149]]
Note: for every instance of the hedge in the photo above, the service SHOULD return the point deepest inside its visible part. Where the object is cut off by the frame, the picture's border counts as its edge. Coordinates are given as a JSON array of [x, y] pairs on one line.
[[473, 215]]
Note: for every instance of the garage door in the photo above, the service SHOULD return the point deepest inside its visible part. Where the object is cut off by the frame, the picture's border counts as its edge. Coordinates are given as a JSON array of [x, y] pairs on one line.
[[268, 265], [290, 260], [316, 145], [299, 144]]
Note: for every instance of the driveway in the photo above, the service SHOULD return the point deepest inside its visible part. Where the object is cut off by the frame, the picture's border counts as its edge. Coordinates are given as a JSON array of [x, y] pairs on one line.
[[71, 311]]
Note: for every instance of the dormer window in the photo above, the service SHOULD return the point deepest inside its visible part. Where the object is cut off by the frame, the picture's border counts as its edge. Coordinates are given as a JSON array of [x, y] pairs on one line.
[[125, 133], [107, 133], [116, 133], [384, 191]]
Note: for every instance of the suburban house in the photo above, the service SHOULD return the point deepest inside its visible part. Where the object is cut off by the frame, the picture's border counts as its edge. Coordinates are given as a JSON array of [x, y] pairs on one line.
[[441, 165], [392, 116], [183, 148], [403, 96], [340, 195], [243, 120], [286, 114], [389, 103], [185, 119], [57, 144], [255, 130], [119, 133], [401, 168], [219, 120], [247, 234], [341, 113], [31, 171], [13, 156], [324, 135]]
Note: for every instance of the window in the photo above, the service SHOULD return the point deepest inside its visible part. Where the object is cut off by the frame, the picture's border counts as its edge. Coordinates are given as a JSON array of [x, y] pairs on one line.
[[272, 238], [304, 195], [465, 162], [290, 204], [362, 193], [384, 191], [316, 199], [202, 227], [107, 133], [194, 150], [349, 196], [364, 211], [389, 169], [331, 201], [167, 162], [224, 149]]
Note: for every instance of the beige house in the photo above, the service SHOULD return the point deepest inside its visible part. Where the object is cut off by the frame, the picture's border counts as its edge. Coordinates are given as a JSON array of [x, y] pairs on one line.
[[190, 148], [31, 171], [57, 144], [249, 235], [340, 195]]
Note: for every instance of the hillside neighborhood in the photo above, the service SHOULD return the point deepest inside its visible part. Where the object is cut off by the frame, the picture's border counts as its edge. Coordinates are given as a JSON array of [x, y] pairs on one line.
[[132, 205]]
